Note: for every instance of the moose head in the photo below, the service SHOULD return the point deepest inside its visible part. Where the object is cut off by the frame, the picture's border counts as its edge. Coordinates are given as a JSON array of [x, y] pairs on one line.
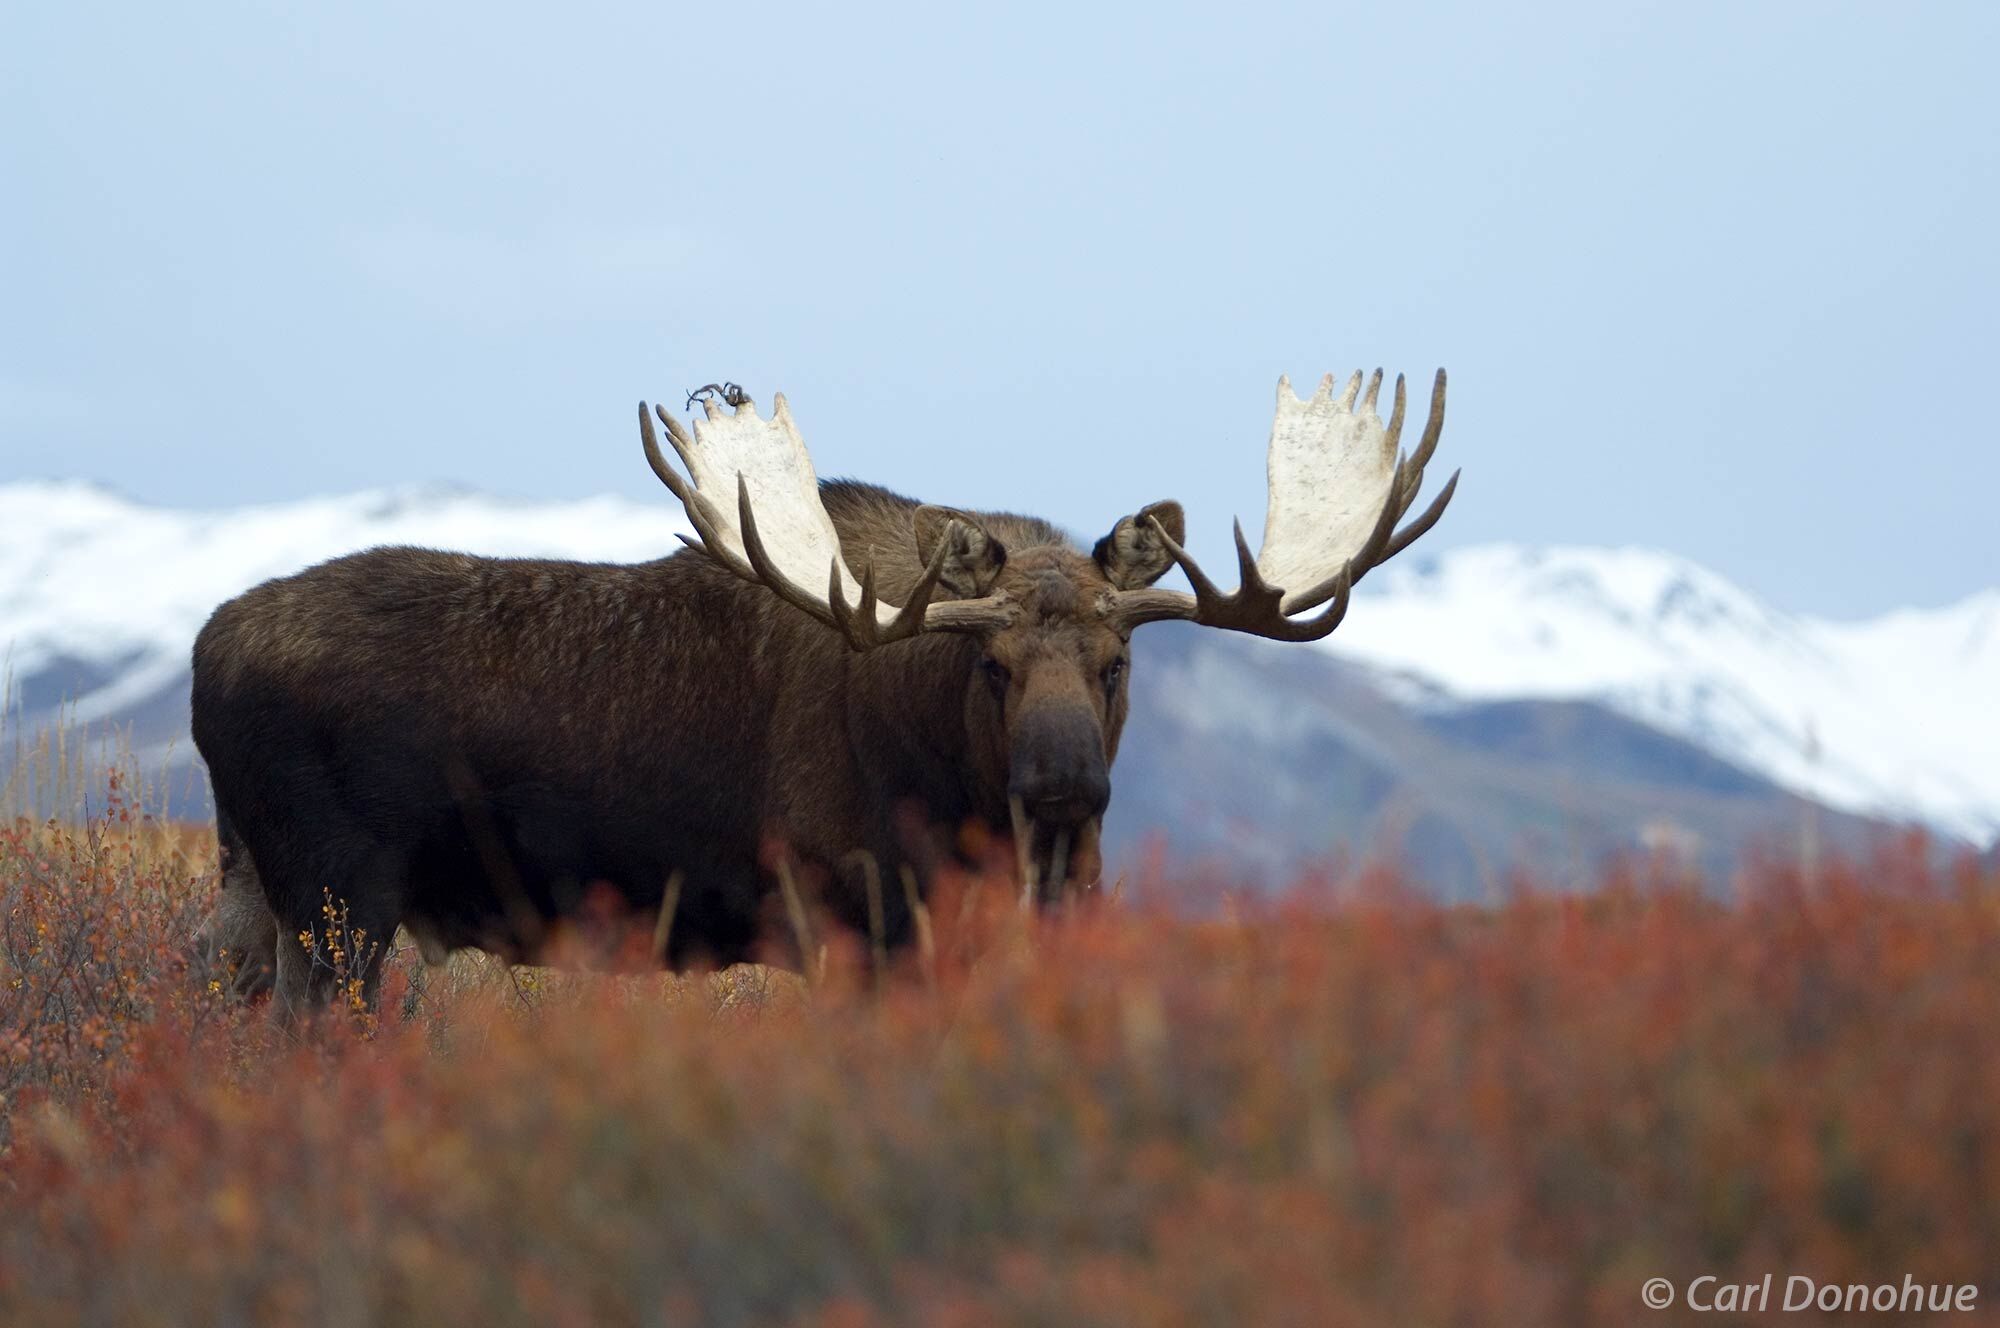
[[1045, 693]]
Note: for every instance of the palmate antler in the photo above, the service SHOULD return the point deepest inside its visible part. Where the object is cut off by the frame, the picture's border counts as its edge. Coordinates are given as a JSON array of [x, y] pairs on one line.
[[1338, 487], [785, 540]]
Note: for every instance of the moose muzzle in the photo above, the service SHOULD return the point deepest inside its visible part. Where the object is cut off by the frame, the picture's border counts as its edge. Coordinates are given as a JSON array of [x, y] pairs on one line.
[[1060, 785], [1058, 770]]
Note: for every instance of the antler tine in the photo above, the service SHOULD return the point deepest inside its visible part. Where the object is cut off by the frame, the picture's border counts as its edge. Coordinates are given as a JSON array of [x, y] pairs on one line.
[[1370, 553], [911, 620], [1395, 430], [836, 604], [1433, 427], [1323, 623], [767, 570], [657, 459], [1409, 534], [1204, 589], [1253, 608], [866, 611], [677, 434], [864, 630], [1249, 580], [1325, 590], [692, 500], [683, 443]]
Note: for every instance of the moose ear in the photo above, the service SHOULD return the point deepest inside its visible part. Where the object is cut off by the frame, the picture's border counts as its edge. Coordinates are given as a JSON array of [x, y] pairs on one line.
[[973, 558], [1133, 554]]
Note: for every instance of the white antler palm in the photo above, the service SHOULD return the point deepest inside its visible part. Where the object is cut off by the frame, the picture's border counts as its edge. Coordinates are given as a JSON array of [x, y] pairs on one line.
[[1337, 489], [753, 498]]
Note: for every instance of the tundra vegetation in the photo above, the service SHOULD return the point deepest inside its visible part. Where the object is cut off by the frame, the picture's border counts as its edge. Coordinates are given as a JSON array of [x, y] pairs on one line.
[[1162, 1103], [1344, 1105]]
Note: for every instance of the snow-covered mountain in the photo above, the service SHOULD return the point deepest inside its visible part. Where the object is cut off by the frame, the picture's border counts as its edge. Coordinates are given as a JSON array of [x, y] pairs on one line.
[[1892, 716], [100, 599]]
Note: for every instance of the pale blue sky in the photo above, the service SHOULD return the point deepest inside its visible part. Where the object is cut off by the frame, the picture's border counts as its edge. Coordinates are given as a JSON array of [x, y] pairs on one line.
[[1719, 279]]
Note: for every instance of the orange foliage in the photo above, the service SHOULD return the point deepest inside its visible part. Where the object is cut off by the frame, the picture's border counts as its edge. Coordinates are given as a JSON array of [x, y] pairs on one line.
[[1340, 1107]]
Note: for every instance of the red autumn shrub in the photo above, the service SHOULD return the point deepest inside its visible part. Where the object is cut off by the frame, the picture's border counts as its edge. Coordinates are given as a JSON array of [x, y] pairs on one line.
[[1338, 1107]]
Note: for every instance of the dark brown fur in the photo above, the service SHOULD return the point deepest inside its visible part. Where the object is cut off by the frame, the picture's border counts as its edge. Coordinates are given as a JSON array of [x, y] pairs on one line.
[[467, 746]]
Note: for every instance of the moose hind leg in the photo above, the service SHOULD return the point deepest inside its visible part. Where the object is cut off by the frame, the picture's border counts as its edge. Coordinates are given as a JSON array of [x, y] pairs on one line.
[[240, 943], [336, 932]]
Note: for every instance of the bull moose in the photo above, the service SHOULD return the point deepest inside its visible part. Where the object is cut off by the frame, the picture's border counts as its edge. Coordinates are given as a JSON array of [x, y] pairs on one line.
[[830, 675]]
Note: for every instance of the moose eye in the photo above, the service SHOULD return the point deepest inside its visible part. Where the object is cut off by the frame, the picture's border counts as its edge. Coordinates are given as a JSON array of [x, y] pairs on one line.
[[997, 676], [1113, 673]]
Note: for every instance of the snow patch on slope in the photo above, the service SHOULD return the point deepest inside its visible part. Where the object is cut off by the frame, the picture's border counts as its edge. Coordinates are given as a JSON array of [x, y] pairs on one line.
[[1890, 716], [86, 575]]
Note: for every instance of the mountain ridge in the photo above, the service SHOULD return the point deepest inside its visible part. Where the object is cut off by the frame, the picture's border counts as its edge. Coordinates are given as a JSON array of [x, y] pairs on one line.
[[1477, 656]]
